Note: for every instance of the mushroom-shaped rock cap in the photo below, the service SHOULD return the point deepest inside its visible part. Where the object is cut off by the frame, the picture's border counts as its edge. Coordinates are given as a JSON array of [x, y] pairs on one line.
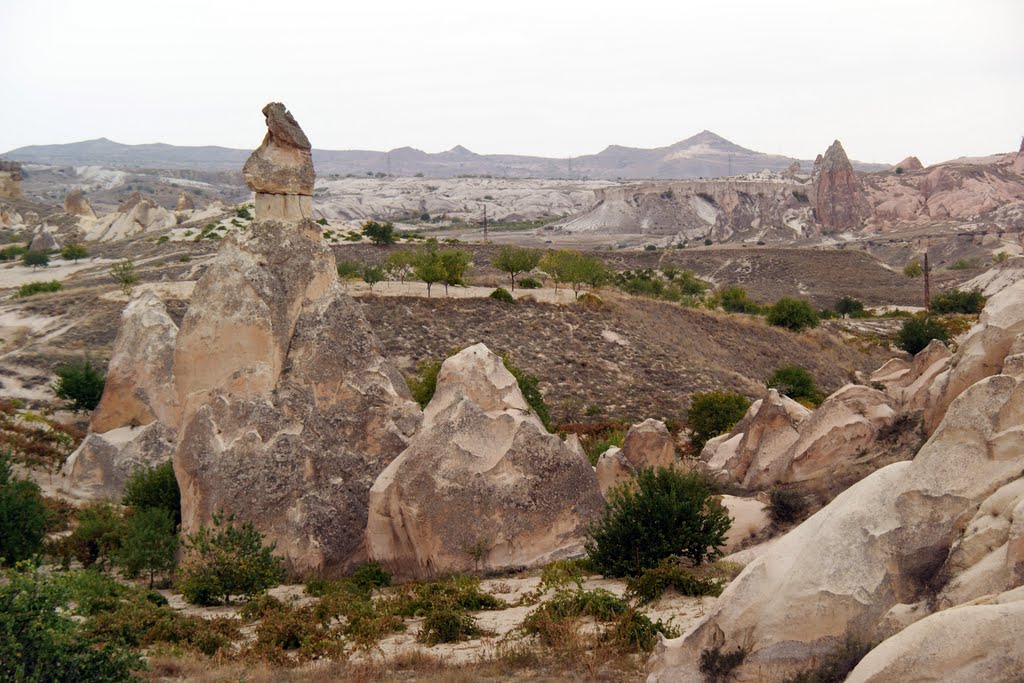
[[283, 164]]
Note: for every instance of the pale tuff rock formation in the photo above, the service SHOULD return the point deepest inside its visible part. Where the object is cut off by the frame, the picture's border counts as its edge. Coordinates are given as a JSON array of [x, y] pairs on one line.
[[839, 201], [184, 202], [43, 239], [137, 215], [749, 518], [10, 180], [909, 165], [137, 418], [647, 444], [75, 204], [909, 381], [280, 171], [9, 217], [482, 485], [947, 521]]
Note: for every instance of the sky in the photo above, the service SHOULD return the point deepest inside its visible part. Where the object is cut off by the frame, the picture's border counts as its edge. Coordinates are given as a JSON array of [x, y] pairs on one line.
[[937, 79]]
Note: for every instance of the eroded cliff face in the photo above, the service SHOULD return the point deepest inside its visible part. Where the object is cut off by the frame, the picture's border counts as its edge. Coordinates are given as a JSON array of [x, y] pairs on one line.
[[10, 180]]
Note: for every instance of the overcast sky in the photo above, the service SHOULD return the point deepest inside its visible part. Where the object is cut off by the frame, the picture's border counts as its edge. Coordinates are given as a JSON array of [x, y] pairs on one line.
[[934, 78]]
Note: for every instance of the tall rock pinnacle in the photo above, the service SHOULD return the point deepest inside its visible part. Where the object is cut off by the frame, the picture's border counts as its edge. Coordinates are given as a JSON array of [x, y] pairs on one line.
[[280, 171], [839, 200]]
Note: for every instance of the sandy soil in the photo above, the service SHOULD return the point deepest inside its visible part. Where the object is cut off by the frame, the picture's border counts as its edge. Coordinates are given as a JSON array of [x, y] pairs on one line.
[[16, 275]]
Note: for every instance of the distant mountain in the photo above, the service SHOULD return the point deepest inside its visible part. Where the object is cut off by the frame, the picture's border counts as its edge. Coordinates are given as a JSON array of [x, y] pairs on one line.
[[704, 154]]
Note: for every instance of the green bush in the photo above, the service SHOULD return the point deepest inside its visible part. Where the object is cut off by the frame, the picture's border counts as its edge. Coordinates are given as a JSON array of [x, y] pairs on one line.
[[35, 259], [373, 274], [123, 273], [708, 242], [502, 294], [80, 382], [224, 560], [665, 512], [23, 515], [735, 300], [154, 487], [31, 288], [371, 575], [448, 625], [714, 413], [97, 536], [653, 582], [964, 264], [793, 314], [786, 506], [795, 382], [379, 233], [957, 301], [918, 332], [718, 664], [417, 599], [913, 269], [349, 270], [596, 447], [848, 306], [148, 543], [423, 384], [529, 283], [12, 252], [39, 641]]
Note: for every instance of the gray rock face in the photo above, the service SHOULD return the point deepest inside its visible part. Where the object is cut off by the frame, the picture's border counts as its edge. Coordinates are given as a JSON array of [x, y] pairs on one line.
[[290, 409], [43, 240], [482, 486], [282, 165]]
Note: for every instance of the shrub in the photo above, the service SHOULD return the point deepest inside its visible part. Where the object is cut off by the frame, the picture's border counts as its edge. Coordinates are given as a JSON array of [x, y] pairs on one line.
[[836, 666], [596, 447], [665, 512], [714, 413], [80, 382], [35, 259], [913, 269], [503, 295], [786, 506], [718, 665], [372, 275], [224, 560], [31, 288], [39, 641], [455, 263], [379, 233], [653, 582], [420, 598], [448, 625], [371, 575], [1001, 257], [735, 300], [243, 212], [918, 332], [428, 265], [848, 306], [148, 543], [795, 382], [348, 270], [12, 252], [515, 260], [964, 264], [23, 515], [708, 242], [958, 301], [529, 283], [124, 275], [154, 487], [98, 534], [423, 384], [793, 314]]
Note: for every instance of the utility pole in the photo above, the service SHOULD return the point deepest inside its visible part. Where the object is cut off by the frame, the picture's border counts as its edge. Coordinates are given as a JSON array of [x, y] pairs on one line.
[[389, 164], [485, 224], [927, 282], [570, 166]]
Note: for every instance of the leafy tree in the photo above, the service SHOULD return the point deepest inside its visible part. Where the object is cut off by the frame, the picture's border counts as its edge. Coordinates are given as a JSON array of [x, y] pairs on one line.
[[714, 413], [348, 270], [574, 268], [379, 233], [97, 537], [154, 487], [39, 641], [80, 382], [515, 260], [664, 513], [848, 306], [148, 543], [735, 300], [224, 560], [73, 252], [958, 301], [22, 515], [372, 275], [918, 332], [398, 264], [124, 275], [913, 269], [456, 264], [503, 295], [428, 266], [793, 314], [35, 259], [795, 382]]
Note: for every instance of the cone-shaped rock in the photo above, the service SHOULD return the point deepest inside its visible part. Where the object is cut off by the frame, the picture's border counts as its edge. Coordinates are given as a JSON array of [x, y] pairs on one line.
[[184, 202], [839, 200], [76, 204]]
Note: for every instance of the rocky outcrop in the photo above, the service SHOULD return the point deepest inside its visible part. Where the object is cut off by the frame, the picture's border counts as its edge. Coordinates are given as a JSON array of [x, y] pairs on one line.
[[10, 180], [749, 518], [75, 204], [945, 524], [137, 215], [649, 444], [613, 469], [839, 200], [909, 165], [184, 202], [43, 239], [482, 486], [136, 421], [280, 171]]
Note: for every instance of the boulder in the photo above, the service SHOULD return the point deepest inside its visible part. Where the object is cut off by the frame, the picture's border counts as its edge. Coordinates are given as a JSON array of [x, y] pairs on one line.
[[102, 464], [613, 469], [280, 171], [482, 485], [43, 240], [838, 198], [649, 444], [909, 165], [184, 202], [289, 409], [75, 204], [878, 544], [962, 645]]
